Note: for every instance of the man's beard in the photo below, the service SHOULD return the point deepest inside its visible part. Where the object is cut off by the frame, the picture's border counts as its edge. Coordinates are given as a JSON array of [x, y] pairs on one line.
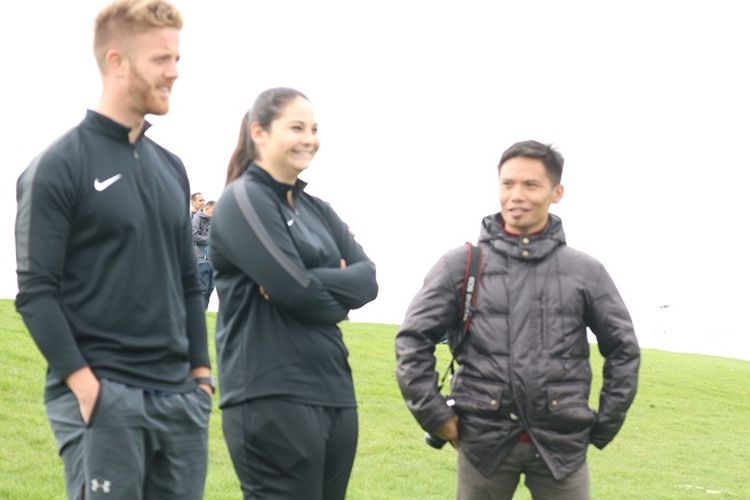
[[142, 94]]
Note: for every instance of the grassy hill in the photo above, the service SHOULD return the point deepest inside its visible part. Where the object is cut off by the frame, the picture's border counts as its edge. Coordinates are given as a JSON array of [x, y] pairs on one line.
[[687, 435]]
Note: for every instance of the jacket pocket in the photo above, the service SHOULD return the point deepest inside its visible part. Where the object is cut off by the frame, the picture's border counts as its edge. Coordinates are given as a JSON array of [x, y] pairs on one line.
[[97, 405], [567, 407], [481, 406], [484, 420], [478, 397]]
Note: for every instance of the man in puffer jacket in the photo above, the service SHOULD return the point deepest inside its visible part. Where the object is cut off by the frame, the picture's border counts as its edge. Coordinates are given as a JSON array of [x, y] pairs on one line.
[[520, 398]]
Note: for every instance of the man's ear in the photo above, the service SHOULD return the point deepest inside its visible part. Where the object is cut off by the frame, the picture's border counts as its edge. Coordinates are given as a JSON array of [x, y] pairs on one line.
[[558, 191], [115, 62]]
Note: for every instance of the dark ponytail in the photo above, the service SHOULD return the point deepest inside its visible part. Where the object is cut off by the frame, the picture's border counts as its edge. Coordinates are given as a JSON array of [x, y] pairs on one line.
[[243, 153], [266, 109]]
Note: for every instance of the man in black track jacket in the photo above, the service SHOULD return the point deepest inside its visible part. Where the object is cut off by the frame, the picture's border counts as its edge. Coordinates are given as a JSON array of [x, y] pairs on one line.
[[107, 279], [520, 398]]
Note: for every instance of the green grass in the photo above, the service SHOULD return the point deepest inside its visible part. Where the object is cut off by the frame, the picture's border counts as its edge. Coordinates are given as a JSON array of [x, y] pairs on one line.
[[686, 436]]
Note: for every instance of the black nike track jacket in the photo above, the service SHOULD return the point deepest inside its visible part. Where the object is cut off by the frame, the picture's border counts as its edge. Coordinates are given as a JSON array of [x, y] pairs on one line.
[[288, 346], [106, 273]]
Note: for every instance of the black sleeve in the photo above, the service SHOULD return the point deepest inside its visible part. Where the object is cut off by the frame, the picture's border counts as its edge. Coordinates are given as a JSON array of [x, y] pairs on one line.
[[608, 318], [46, 195], [247, 231], [355, 285]]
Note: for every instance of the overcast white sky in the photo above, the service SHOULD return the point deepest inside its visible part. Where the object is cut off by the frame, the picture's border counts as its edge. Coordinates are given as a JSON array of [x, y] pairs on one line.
[[416, 100]]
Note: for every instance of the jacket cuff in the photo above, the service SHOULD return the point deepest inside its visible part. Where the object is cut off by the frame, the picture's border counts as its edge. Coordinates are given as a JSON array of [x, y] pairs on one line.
[[599, 437]]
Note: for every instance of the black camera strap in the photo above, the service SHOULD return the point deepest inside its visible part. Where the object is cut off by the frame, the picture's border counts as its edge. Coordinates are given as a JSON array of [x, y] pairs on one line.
[[472, 272]]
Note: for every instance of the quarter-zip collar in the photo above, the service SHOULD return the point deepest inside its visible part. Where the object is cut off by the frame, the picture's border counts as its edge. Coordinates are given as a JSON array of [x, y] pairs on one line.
[[279, 188], [107, 126]]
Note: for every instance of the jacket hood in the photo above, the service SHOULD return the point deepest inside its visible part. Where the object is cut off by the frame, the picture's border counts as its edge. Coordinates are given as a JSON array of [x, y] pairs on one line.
[[534, 247]]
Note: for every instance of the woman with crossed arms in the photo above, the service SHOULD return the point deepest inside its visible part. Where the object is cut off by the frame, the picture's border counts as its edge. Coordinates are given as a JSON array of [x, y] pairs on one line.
[[287, 270]]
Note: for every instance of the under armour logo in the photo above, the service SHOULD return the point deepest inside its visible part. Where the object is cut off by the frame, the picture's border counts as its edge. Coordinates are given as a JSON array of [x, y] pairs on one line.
[[104, 485]]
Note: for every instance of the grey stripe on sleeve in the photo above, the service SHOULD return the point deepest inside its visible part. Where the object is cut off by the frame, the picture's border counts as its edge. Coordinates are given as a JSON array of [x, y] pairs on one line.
[[253, 220], [23, 215]]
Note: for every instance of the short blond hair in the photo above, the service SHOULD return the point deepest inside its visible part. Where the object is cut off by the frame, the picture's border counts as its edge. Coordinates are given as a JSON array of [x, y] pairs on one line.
[[123, 18]]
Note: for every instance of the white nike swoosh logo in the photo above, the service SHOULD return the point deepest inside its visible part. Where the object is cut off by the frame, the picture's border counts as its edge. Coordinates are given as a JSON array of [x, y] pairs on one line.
[[102, 185]]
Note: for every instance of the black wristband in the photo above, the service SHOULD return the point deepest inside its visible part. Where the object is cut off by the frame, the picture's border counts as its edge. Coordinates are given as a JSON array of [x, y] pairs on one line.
[[209, 381]]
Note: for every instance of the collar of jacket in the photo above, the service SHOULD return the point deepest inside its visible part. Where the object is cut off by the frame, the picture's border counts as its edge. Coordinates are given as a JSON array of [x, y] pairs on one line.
[[258, 174], [527, 248], [107, 126]]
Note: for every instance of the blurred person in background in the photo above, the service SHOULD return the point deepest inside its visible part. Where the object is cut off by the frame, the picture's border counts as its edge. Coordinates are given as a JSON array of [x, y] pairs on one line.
[[196, 203], [201, 228]]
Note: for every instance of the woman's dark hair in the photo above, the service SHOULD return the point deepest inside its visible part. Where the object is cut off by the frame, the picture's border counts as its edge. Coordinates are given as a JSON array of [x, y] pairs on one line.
[[267, 107]]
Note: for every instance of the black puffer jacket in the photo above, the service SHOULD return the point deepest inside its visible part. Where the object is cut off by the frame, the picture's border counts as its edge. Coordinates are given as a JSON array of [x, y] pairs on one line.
[[527, 351]]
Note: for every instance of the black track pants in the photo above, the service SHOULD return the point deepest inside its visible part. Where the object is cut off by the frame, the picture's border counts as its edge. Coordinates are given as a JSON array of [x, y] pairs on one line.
[[285, 450]]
